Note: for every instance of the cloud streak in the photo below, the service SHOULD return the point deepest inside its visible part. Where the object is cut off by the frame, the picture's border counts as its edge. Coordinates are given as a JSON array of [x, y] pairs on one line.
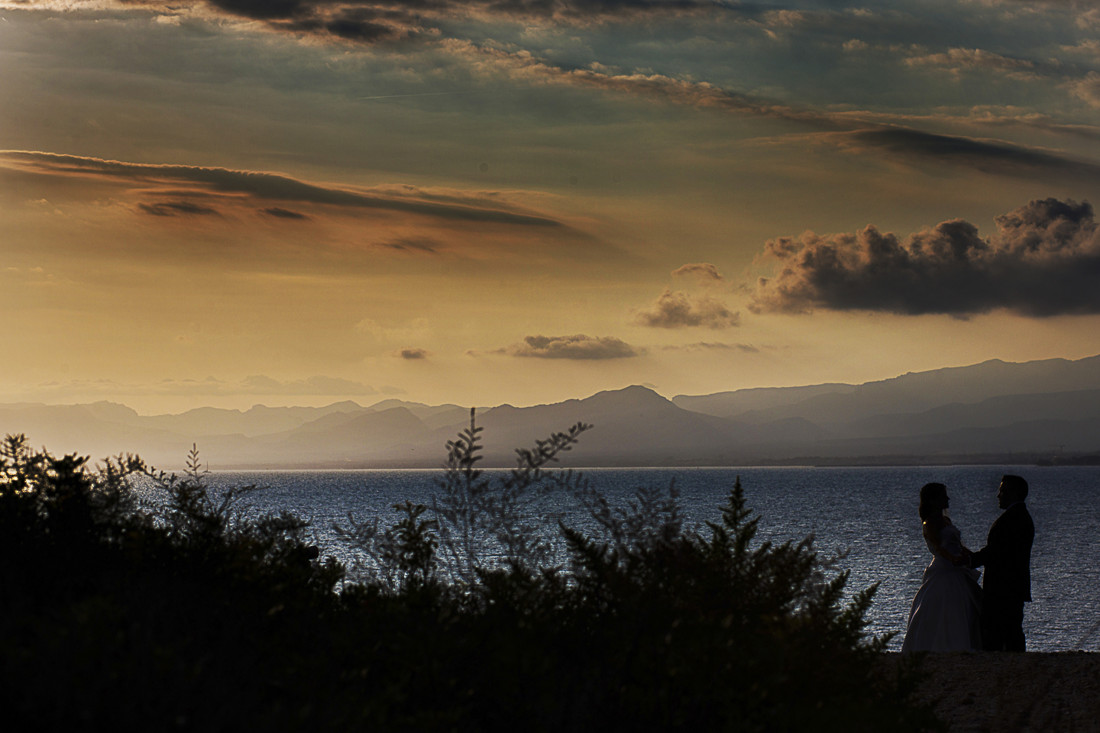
[[524, 66], [853, 130], [1043, 260], [281, 213], [177, 208], [267, 187], [989, 156]]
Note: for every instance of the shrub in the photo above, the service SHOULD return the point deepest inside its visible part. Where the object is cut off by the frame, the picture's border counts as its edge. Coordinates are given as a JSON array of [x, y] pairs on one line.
[[479, 521], [117, 612], [648, 625], [186, 612]]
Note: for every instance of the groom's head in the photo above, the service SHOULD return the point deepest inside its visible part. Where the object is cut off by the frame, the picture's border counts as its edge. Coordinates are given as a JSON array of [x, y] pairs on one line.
[[1013, 489]]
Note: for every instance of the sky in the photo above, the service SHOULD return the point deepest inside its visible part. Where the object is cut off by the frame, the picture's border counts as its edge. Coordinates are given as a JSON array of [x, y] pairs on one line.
[[238, 202]]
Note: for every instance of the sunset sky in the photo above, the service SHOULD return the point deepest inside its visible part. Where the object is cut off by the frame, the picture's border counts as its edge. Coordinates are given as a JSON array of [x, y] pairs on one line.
[[231, 202]]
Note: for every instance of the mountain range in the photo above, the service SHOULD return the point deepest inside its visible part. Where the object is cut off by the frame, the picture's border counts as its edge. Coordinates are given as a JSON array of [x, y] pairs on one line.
[[993, 412]]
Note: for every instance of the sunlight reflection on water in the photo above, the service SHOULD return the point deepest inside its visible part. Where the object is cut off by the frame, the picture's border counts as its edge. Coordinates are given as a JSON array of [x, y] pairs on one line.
[[870, 513]]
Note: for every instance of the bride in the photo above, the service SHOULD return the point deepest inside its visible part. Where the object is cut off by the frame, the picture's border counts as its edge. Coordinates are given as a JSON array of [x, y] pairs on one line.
[[944, 616]]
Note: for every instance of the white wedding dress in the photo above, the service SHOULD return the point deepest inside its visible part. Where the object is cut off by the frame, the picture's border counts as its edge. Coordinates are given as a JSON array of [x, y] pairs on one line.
[[944, 616]]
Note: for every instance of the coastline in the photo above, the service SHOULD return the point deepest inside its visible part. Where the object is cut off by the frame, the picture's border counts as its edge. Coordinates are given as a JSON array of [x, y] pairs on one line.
[[999, 691]]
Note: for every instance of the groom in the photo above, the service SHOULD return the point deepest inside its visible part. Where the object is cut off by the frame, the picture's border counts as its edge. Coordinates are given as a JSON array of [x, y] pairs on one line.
[[1007, 560]]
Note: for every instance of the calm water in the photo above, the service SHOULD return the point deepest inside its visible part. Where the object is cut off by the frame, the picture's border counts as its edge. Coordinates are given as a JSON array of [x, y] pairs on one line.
[[870, 513]]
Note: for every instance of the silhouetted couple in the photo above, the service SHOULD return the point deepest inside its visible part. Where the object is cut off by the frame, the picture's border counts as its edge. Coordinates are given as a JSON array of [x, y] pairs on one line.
[[950, 611]]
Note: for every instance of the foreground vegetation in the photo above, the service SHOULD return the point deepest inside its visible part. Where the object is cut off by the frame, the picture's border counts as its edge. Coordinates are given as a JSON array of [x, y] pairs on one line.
[[136, 600]]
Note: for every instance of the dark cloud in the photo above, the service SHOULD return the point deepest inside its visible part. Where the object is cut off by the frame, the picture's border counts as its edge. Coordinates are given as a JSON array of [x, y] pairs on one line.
[[362, 24], [581, 8], [262, 9], [1043, 260], [374, 21], [563, 9], [413, 354], [984, 155], [354, 29], [175, 208], [572, 347], [280, 213], [273, 187], [675, 309]]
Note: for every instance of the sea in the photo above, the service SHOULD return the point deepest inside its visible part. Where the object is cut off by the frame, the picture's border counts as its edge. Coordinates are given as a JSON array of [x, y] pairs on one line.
[[866, 516]]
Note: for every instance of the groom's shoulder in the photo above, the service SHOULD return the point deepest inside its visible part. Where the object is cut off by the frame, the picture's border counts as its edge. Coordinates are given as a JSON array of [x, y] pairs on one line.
[[1017, 514]]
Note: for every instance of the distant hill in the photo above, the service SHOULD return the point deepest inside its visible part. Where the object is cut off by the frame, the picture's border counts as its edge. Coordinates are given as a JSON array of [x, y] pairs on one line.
[[747, 402], [908, 393], [985, 412]]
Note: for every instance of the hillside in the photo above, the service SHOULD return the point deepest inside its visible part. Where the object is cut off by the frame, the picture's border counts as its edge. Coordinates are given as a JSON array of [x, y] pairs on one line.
[[992, 411]]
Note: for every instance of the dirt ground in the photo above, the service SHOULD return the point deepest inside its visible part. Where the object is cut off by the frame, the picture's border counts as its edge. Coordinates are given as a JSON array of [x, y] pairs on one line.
[[997, 691]]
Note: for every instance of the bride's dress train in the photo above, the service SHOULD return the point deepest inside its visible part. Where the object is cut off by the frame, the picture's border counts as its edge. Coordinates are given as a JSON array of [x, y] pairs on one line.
[[946, 610]]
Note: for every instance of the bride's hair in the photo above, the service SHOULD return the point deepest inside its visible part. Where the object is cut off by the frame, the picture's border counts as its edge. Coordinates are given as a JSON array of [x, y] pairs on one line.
[[933, 514], [932, 503]]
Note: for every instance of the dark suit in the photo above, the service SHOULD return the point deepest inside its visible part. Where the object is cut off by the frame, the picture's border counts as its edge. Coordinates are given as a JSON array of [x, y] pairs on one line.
[[1007, 583]]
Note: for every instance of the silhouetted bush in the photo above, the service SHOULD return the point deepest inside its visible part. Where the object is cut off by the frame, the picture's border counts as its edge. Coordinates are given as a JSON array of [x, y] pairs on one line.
[[135, 600]]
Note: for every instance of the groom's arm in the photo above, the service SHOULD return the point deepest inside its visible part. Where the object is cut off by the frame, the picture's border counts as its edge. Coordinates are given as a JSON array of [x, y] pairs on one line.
[[991, 549], [1002, 537]]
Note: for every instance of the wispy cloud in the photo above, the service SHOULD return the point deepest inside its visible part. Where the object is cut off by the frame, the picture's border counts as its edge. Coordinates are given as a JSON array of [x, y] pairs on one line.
[[1088, 88], [387, 21], [1043, 260], [578, 347], [853, 129], [958, 60], [480, 55], [524, 66]]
